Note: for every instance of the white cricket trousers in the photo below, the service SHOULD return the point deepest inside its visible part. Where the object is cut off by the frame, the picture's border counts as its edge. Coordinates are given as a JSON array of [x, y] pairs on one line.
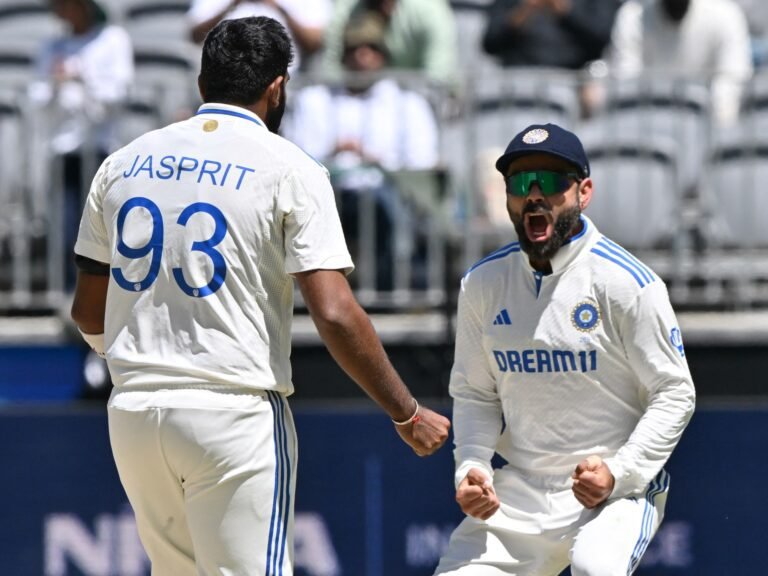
[[211, 477], [607, 541]]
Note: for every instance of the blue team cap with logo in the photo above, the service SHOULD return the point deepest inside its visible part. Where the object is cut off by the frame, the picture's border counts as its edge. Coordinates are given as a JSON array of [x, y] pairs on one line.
[[546, 139]]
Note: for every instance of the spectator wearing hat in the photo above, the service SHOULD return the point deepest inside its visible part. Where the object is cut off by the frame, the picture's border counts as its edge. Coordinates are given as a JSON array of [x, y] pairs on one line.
[[82, 80], [420, 35], [368, 117], [570, 365], [365, 127], [87, 72]]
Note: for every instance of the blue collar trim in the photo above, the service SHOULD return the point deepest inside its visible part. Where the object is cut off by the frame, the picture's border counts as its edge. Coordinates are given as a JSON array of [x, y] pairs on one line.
[[580, 234], [230, 113]]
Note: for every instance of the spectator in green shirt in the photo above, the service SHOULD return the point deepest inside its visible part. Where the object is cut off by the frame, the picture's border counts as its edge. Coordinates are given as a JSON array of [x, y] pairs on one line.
[[420, 35]]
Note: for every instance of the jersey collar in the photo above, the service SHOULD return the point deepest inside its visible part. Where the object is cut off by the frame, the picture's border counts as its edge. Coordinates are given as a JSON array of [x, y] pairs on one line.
[[230, 110]]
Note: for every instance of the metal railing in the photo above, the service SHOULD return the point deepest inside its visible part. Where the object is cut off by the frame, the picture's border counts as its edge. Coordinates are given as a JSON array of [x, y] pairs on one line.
[[440, 223]]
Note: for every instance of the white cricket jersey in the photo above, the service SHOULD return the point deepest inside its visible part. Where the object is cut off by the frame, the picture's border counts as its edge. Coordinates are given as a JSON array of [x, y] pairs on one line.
[[202, 223], [586, 360]]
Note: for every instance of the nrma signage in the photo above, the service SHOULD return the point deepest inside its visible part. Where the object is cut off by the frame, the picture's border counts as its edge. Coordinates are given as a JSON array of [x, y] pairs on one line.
[[110, 546]]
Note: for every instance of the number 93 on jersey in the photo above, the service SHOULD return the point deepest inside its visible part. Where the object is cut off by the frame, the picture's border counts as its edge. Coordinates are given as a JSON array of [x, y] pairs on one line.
[[132, 219]]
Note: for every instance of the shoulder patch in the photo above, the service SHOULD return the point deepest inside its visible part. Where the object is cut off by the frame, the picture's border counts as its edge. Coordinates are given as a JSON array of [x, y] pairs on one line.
[[585, 316]]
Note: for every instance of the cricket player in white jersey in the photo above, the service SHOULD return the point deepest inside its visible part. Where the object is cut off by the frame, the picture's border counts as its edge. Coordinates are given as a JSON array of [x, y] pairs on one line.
[[189, 244], [570, 365]]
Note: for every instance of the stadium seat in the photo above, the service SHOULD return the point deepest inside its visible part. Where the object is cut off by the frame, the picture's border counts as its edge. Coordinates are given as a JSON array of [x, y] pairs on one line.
[[166, 74], [506, 100], [754, 109], [137, 116], [498, 104], [17, 65], [28, 23], [156, 19], [637, 201], [734, 257], [735, 192], [651, 106]]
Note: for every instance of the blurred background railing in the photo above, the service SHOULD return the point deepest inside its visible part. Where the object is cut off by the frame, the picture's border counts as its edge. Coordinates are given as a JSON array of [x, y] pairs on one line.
[[680, 192], [421, 201]]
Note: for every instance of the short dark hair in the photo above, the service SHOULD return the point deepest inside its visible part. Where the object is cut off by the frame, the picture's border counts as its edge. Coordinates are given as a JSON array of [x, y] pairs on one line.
[[242, 57]]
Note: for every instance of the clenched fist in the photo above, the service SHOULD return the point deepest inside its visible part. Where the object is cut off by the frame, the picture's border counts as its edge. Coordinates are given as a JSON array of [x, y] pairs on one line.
[[426, 433], [476, 495], [592, 482]]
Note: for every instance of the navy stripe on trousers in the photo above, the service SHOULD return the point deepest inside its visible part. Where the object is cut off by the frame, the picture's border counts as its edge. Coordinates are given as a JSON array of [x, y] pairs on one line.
[[281, 499], [657, 486]]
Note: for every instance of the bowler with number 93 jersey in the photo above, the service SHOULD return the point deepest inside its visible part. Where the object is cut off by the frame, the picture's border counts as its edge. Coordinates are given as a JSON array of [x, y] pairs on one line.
[[190, 215], [202, 224]]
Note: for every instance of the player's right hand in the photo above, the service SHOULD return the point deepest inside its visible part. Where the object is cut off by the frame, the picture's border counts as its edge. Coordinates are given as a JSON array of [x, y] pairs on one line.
[[476, 495], [427, 434]]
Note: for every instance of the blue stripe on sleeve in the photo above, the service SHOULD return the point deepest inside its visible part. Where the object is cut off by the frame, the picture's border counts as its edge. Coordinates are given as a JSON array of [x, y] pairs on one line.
[[500, 253], [628, 257], [620, 263], [622, 255]]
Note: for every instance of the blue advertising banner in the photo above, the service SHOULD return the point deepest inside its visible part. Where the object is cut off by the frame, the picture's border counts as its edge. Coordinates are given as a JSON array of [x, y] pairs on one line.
[[366, 505], [46, 373]]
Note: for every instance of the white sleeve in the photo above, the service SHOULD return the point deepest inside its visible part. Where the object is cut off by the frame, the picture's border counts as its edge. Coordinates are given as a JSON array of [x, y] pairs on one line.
[[477, 414], [654, 347], [92, 238], [314, 238], [108, 66], [625, 53], [733, 67], [312, 14], [202, 10], [311, 123]]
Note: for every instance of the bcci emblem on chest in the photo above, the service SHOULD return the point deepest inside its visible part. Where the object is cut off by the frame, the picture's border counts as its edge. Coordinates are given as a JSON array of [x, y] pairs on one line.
[[585, 316]]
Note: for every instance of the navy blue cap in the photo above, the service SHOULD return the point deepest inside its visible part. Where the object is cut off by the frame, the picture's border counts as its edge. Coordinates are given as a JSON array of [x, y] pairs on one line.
[[546, 139]]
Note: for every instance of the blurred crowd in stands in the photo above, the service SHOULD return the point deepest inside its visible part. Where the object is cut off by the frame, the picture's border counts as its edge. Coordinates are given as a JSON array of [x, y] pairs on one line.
[[408, 102]]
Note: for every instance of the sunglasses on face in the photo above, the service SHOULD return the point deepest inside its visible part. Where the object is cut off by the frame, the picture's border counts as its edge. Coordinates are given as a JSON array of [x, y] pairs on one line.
[[549, 182]]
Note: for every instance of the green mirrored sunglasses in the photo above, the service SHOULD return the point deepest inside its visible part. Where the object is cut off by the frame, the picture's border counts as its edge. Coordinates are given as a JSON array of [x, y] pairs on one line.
[[550, 182]]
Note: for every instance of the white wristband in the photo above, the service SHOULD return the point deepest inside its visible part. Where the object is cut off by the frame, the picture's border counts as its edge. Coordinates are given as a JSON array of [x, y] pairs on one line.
[[95, 341], [413, 419]]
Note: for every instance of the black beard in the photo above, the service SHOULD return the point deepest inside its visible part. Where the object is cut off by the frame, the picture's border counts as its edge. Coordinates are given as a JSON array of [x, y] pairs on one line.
[[564, 226], [676, 9], [275, 115]]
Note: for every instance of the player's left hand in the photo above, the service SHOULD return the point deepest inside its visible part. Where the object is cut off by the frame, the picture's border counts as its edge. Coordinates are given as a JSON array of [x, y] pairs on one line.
[[592, 482]]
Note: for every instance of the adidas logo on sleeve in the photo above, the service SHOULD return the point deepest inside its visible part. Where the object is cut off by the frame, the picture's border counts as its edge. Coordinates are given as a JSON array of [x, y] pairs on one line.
[[502, 318]]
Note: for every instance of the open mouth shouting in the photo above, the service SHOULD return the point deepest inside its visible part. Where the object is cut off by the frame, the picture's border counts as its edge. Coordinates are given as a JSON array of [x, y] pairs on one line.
[[539, 225]]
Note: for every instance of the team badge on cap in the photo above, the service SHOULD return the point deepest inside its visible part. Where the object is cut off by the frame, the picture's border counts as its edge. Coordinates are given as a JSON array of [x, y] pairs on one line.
[[535, 136], [585, 316]]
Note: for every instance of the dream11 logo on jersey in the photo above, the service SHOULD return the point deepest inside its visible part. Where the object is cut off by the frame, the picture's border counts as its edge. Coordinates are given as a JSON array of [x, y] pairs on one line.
[[111, 546]]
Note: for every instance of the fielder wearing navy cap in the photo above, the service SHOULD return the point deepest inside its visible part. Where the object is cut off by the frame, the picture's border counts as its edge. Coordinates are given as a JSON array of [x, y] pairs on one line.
[[546, 139], [548, 185]]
